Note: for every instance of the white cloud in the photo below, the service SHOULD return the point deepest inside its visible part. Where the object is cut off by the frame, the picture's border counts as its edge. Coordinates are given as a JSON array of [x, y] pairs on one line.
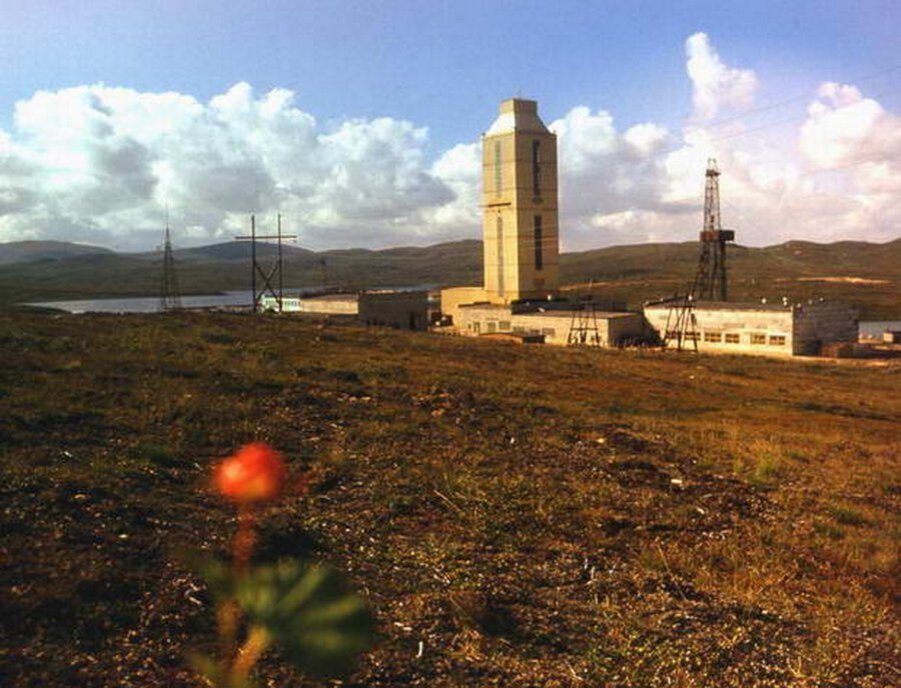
[[715, 85], [108, 160], [98, 164]]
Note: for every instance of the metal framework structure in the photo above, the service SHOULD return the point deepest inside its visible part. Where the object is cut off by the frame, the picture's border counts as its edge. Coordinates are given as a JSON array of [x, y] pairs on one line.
[[583, 328], [170, 296], [711, 279], [274, 271]]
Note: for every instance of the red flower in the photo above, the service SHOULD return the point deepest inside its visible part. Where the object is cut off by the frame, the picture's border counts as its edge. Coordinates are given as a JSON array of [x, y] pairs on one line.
[[256, 473]]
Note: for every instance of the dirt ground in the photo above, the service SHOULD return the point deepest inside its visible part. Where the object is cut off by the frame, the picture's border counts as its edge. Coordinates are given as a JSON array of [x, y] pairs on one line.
[[516, 516]]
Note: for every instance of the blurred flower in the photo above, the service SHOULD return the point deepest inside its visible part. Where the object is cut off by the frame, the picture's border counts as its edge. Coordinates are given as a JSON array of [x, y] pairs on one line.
[[256, 473]]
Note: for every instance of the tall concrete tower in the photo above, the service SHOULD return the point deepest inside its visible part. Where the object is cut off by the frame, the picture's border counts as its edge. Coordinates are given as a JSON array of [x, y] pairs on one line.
[[519, 201]]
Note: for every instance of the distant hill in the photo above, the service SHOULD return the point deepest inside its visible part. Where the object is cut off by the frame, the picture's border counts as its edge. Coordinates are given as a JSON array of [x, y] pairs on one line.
[[33, 251], [867, 275]]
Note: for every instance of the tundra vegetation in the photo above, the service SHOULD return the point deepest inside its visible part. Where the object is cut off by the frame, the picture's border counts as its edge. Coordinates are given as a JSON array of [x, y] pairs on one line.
[[514, 516]]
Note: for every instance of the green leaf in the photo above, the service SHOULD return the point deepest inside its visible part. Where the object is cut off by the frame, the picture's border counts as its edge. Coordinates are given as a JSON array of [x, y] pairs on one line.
[[307, 609]]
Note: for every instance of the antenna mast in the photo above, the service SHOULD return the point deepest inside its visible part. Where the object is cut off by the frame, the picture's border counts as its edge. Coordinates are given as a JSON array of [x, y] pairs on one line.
[[170, 296]]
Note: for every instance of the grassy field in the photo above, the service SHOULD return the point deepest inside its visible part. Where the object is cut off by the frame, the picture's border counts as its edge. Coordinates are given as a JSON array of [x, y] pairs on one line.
[[516, 516]]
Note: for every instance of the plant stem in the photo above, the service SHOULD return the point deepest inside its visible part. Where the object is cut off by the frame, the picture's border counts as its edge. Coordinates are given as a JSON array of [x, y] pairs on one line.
[[245, 538], [253, 648]]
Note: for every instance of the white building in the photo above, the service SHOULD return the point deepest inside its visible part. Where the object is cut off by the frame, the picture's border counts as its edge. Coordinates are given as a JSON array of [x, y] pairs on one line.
[[757, 328]]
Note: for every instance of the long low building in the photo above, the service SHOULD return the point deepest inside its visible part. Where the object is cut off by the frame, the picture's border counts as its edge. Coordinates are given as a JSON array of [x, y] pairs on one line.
[[559, 325], [397, 308], [756, 328]]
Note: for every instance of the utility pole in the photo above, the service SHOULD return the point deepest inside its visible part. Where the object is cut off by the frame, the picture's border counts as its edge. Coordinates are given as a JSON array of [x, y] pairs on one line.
[[266, 275]]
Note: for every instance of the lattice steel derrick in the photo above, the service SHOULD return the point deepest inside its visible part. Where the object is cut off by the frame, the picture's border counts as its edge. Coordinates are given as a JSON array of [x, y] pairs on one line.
[[170, 295], [711, 277]]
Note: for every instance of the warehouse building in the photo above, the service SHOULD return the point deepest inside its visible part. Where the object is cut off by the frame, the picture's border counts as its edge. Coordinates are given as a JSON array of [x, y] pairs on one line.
[[399, 309], [555, 326], [757, 328]]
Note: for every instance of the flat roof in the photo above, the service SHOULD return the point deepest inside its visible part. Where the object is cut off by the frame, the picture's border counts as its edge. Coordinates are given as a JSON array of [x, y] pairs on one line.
[[550, 313], [331, 297], [721, 306], [604, 315], [486, 304]]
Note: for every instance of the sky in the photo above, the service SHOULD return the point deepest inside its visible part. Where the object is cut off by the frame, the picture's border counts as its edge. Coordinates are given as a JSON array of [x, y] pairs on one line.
[[360, 121]]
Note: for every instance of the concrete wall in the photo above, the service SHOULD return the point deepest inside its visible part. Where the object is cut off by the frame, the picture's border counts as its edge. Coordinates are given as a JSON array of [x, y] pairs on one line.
[[822, 322], [454, 297], [405, 310], [331, 304], [767, 331], [612, 328]]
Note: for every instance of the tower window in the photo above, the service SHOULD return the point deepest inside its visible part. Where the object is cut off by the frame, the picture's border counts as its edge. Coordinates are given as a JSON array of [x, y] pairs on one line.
[[539, 241], [536, 167], [500, 255], [497, 168]]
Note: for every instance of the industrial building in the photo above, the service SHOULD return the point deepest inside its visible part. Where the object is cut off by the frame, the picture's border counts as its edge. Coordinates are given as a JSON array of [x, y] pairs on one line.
[[518, 297], [756, 328], [520, 232], [556, 326], [399, 309], [703, 319]]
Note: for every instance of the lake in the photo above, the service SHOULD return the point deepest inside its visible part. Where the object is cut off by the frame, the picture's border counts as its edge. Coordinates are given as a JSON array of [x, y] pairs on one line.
[[875, 328], [151, 304], [147, 304]]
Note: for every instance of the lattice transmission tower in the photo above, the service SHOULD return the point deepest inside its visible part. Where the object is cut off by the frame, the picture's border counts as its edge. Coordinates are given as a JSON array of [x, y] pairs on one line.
[[170, 296]]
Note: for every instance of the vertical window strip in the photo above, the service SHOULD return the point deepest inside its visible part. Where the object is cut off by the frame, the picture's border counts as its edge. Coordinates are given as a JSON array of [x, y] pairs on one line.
[[536, 167], [497, 168], [539, 244], [500, 255]]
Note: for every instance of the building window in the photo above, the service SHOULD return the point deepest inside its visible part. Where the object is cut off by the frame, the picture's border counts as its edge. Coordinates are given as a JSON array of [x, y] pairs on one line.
[[757, 338], [536, 168], [519, 329], [500, 255], [713, 337], [504, 325], [548, 331], [477, 327], [732, 339], [497, 168], [492, 327], [539, 239], [777, 340]]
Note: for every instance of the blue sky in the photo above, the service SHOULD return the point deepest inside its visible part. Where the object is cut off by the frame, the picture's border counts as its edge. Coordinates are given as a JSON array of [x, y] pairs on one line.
[[440, 64], [442, 67]]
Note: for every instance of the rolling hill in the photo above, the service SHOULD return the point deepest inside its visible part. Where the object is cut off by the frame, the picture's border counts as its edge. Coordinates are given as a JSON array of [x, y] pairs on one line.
[[868, 275], [40, 251]]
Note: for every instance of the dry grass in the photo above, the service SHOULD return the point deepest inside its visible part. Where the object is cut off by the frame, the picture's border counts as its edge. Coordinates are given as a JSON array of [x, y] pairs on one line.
[[525, 516]]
